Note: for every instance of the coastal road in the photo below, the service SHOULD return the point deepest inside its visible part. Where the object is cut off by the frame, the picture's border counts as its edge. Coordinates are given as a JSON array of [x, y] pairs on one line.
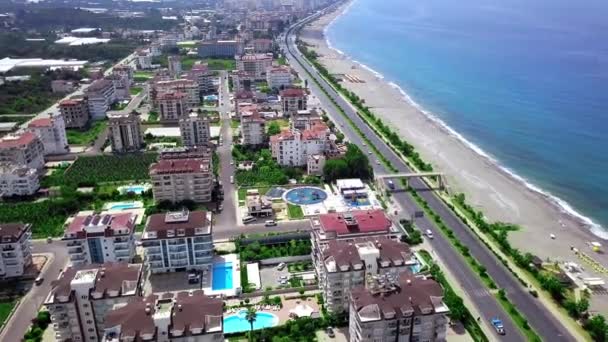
[[31, 302], [538, 316]]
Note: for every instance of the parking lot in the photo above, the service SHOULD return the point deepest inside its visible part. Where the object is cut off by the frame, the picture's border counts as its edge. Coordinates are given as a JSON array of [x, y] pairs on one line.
[[170, 282], [269, 275]]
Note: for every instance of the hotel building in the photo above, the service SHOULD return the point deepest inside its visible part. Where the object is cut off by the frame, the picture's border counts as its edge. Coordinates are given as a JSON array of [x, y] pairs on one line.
[[51, 131], [22, 149], [18, 180], [75, 112], [99, 238], [125, 132], [178, 241], [15, 244]]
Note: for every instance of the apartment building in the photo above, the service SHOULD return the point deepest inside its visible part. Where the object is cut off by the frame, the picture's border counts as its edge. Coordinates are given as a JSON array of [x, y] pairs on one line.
[[18, 180], [177, 317], [178, 241], [175, 66], [99, 238], [51, 132], [341, 265], [144, 60], [125, 132], [262, 45], [293, 147], [254, 64], [185, 86], [218, 48], [123, 70], [176, 180], [100, 96], [204, 77], [15, 244], [75, 112], [279, 77], [304, 119], [172, 106], [315, 164], [242, 81], [22, 149], [398, 308], [253, 126], [195, 129], [293, 100], [82, 296], [122, 86]]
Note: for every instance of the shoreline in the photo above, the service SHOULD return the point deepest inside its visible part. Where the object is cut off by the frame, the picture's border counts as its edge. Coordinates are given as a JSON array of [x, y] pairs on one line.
[[481, 177]]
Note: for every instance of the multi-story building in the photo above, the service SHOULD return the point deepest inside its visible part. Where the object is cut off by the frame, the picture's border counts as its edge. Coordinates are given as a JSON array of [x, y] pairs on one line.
[[398, 308], [99, 238], [177, 180], [315, 164], [254, 64], [176, 317], [201, 74], [75, 112], [17, 180], [195, 129], [341, 265], [177, 241], [172, 106], [242, 81], [82, 297], [304, 119], [100, 96], [122, 85], [175, 66], [22, 149], [155, 50], [253, 127], [125, 132], [168, 41], [63, 86], [51, 131], [187, 86], [293, 147], [262, 45], [16, 250], [218, 48], [293, 100], [144, 60], [123, 70], [279, 77]]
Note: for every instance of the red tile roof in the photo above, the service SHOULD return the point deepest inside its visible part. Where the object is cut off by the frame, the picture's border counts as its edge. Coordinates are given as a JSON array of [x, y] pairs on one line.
[[346, 253], [13, 230], [71, 102], [161, 223], [164, 166], [293, 92], [18, 140], [363, 221], [43, 122]]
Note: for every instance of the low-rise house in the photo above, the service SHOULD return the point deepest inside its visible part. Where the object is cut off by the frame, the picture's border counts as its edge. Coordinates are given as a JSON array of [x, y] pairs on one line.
[[15, 244], [51, 132], [18, 180], [258, 205], [22, 149]]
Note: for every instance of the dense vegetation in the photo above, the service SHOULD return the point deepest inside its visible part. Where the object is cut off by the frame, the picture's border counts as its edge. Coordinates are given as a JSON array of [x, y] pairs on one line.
[[91, 170], [266, 170], [39, 325], [355, 164], [256, 251], [86, 137], [6, 306]]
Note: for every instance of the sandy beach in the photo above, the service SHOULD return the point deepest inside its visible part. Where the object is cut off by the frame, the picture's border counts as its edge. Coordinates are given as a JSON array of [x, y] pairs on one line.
[[489, 188]]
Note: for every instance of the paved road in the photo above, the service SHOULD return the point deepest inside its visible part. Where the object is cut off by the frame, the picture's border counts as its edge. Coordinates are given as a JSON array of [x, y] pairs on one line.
[[31, 303], [547, 326]]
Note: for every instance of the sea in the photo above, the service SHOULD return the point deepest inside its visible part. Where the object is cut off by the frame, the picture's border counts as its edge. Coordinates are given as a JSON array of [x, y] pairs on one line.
[[523, 82]]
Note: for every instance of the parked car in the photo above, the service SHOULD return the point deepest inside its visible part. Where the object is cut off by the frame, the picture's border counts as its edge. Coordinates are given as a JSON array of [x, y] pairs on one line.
[[281, 266], [193, 278], [49, 239], [391, 185], [38, 280], [231, 179], [248, 219], [270, 223], [429, 233], [330, 332]]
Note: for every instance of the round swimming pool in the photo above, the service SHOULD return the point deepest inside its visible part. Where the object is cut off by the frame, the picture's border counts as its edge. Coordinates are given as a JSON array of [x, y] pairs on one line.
[[238, 322], [305, 195]]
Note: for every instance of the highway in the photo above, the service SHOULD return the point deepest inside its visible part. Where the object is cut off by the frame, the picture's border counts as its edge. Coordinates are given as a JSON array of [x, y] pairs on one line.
[[543, 321]]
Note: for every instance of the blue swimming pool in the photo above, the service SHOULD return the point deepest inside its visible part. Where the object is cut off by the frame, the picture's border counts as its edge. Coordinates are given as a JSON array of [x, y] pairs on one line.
[[222, 276], [415, 268], [122, 206], [136, 189], [305, 195], [238, 322]]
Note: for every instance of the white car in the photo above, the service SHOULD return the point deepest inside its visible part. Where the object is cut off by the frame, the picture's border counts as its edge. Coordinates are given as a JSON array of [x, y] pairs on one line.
[[429, 233], [231, 179]]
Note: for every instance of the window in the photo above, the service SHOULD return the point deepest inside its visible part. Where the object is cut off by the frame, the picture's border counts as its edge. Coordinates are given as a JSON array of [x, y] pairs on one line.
[[89, 322], [91, 329], [84, 297]]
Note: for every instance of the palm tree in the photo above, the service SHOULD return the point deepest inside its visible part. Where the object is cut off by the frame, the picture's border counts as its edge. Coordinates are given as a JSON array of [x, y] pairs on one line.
[[250, 316]]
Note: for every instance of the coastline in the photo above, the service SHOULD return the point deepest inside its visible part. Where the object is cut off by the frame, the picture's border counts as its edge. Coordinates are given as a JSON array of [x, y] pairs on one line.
[[491, 187]]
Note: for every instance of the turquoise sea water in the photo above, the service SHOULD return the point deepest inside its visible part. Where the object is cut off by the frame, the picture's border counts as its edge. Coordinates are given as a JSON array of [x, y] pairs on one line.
[[526, 81]]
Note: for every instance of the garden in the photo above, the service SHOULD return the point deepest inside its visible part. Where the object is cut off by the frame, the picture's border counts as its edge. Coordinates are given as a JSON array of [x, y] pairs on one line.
[[256, 251], [88, 136], [91, 170]]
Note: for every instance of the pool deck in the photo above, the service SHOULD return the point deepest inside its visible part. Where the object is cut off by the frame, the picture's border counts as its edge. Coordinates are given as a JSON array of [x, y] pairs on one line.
[[236, 277], [137, 205], [282, 313]]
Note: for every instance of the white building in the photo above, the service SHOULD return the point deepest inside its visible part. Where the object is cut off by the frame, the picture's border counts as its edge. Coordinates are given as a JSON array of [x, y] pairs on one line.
[[51, 131], [178, 241], [82, 296], [398, 308], [125, 132], [279, 77], [293, 147], [17, 180], [99, 238], [176, 317], [173, 106], [177, 180], [186, 86], [253, 126], [315, 164], [293, 100], [144, 60], [195, 129], [22, 149], [15, 244], [100, 95], [254, 64]]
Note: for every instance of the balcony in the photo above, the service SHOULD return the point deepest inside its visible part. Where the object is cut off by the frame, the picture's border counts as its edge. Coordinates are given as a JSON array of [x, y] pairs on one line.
[[178, 256], [121, 246], [153, 250]]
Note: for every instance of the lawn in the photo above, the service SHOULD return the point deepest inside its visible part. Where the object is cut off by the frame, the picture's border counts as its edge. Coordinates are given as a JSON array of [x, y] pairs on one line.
[[295, 212], [135, 90], [221, 63], [188, 62], [242, 192], [78, 137], [5, 309], [282, 61], [91, 170], [234, 124]]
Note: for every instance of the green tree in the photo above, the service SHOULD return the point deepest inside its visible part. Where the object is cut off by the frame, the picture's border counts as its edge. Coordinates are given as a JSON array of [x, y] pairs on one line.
[[597, 328], [251, 316]]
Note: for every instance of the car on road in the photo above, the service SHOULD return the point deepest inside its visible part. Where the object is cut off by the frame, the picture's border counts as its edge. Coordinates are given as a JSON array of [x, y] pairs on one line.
[[377, 162], [270, 223], [49, 239], [38, 280], [193, 278], [283, 277], [232, 162], [231, 179], [330, 332], [281, 266], [391, 185], [220, 207], [498, 326], [429, 233], [248, 219], [369, 152]]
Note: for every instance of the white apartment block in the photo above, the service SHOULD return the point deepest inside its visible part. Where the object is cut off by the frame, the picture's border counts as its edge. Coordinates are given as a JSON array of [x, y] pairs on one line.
[[18, 180], [173, 106], [122, 86], [279, 77], [254, 64], [144, 60], [293, 100], [293, 147], [22, 149], [341, 265], [195, 129], [187, 316], [15, 244], [100, 96], [178, 241], [100, 238], [51, 131], [400, 308], [82, 296], [185, 86], [176, 180], [75, 112], [253, 126], [125, 132]]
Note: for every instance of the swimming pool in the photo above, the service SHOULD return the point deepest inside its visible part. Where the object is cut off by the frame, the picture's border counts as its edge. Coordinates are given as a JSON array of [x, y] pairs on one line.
[[222, 276], [135, 188], [415, 269], [123, 205], [305, 195], [238, 323]]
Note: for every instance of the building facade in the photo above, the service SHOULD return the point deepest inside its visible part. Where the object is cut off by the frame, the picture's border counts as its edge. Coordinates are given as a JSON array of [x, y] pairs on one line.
[[279, 77], [100, 238], [100, 96], [253, 127], [204, 77], [15, 244], [315, 164], [172, 106], [185, 86], [177, 180], [195, 129], [51, 132], [125, 132], [177, 241], [18, 180], [175, 66], [254, 64], [75, 112], [22, 149], [293, 100], [294, 147], [218, 48]]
